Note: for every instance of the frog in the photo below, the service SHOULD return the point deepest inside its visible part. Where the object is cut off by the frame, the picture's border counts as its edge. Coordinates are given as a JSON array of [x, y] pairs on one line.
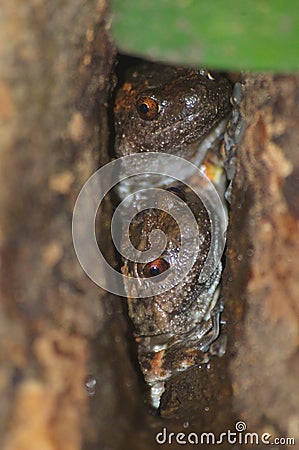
[[167, 109], [183, 112], [175, 329]]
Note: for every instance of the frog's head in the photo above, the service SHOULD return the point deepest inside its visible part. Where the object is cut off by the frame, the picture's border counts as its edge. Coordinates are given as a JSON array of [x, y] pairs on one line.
[[168, 109]]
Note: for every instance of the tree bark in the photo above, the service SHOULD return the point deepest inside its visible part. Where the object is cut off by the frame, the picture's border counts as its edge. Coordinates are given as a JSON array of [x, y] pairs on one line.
[[56, 61], [57, 328], [263, 275]]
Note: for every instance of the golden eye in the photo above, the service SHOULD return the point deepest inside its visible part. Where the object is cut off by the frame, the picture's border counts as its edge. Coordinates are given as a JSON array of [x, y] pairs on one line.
[[147, 108], [154, 268]]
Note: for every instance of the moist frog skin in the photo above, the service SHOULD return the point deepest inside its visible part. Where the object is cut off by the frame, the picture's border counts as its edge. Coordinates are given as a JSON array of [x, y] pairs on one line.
[[173, 330], [169, 109]]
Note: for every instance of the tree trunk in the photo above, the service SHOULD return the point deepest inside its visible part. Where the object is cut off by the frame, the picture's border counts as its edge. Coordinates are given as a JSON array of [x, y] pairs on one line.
[[263, 274], [58, 330]]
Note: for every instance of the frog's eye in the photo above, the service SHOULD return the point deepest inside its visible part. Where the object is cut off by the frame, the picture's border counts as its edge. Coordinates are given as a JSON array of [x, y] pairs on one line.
[[177, 191], [147, 108], [155, 268]]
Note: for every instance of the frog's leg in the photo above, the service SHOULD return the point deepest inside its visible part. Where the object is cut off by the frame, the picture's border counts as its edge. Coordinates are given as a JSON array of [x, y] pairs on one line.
[[185, 352], [205, 333], [208, 339], [232, 137]]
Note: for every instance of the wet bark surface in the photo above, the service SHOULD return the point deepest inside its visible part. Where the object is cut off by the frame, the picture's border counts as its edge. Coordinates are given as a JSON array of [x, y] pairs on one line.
[[57, 328], [264, 245]]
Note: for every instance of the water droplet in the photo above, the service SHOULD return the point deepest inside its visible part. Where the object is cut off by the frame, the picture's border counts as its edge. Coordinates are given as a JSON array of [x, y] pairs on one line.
[[239, 257], [186, 424], [237, 93], [250, 252], [207, 409], [90, 384]]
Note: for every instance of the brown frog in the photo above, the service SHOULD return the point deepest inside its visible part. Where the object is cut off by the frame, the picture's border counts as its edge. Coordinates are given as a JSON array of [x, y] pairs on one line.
[[174, 329], [169, 109]]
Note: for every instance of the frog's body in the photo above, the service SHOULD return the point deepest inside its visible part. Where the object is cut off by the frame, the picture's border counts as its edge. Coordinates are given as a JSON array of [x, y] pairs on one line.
[[178, 111]]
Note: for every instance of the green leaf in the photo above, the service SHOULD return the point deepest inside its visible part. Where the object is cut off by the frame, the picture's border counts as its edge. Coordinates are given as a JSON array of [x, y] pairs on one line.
[[224, 34]]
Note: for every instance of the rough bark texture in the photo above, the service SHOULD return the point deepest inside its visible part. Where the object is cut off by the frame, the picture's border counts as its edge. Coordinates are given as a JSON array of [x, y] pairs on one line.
[[55, 78], [57, 327], [263, 257]]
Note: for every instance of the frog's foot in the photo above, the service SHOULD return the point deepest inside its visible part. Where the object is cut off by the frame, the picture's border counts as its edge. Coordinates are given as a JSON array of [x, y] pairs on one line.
[[157, 390], [232, 138], [218, 347], [209, 338], [159, 367]]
